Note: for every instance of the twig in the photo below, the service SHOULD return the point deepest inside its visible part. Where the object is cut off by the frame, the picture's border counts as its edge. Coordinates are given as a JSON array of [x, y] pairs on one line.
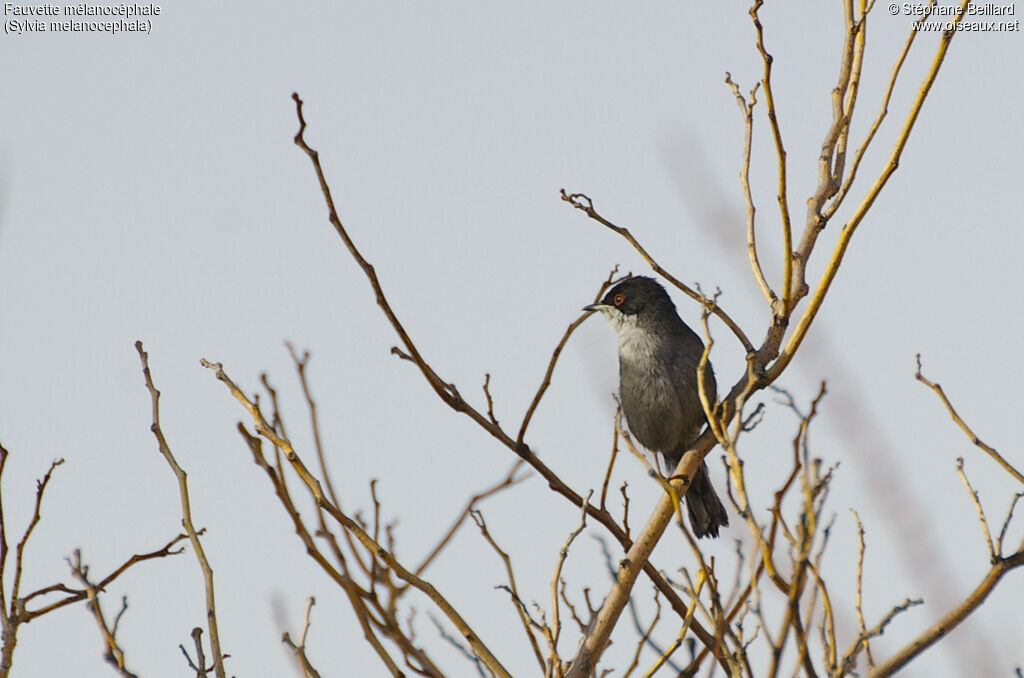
[[113, 652], [859, 597], [76, 595], [977, 506], [848, 230], [186, 516], [315, 489], [355, 594], [563, 553], [645, 637], [301, 363], [509, 480], [747, 109], [595, 642], [780, 151], [651, 471], [199, 665], [883, 110], [612, 457], [546, 381], [15, 611], [490, 401], [513, 590], [308, 671], [454, 642], [19, 557], [572, 608], [862, 638], [832, 158], [625, 506], [963, 425], [687, 621], [1006, 522], [581, 202]]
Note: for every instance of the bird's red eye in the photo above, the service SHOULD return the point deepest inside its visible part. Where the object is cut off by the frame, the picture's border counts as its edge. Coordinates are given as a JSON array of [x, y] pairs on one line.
[[619, 299]]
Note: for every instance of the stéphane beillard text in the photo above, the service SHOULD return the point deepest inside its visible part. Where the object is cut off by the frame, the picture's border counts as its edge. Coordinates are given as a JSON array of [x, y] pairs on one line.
[[973, 9]]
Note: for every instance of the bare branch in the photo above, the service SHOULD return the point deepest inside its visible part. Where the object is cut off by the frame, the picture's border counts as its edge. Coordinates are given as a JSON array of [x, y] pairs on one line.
[[513, 590], [747, 109], [878, 629], [490, 401], [449, 393], [546, 382], [19, 558], [612, 457], [846, 234], [113, 652], [301, 363], [780, 151], [186, 517], [76, 595], [1006, 522], [308, 671], [859, 598], [645, 637], [508, 481], [883, 110], [373, 546], [977, 506], [563, 553], [586, 205], [963, 425], [454, 642]]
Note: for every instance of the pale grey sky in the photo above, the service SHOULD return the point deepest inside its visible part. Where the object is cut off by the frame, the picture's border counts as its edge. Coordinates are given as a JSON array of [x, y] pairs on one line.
[[149, 189]]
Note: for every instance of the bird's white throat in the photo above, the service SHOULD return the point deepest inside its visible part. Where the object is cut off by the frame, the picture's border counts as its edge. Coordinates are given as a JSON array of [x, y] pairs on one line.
[[635, 343]]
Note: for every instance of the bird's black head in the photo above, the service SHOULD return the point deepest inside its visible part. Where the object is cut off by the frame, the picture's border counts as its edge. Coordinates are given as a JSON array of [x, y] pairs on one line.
[[633, 297]]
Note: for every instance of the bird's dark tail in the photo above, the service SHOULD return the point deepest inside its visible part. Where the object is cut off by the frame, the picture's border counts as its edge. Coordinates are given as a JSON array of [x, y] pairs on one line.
[[705, 508]]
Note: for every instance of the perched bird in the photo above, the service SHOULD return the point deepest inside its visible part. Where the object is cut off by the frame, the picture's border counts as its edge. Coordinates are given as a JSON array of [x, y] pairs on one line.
[[658, 360]]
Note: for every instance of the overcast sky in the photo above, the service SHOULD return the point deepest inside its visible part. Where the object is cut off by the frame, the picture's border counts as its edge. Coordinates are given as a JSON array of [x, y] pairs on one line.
[[150, 189]]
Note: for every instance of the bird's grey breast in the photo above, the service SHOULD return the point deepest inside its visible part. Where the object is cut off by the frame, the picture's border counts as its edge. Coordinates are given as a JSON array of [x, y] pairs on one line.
[[650, 399]]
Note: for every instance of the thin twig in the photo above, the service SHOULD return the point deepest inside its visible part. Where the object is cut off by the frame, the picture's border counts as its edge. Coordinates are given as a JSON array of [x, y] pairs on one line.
[[1006, 523], [883, 110], [186, 516], [563, 553], [524, 617], [945, 625], [977, 506], [508, 481], [849, 228], [113, 652], [308, 671], [747, 109], [860, 576], [645, 637], [19, 558], [315, 489], [583, 203], [991, 451], [76, 595], [546, 381], [780, 151], [356, 595], [613, 456]]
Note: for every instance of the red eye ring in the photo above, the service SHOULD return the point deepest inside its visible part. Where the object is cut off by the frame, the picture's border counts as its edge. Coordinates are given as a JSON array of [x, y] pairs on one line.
[[619, 299]]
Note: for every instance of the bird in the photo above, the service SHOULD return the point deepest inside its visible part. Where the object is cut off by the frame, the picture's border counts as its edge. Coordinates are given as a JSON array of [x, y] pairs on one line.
[[659, 356]]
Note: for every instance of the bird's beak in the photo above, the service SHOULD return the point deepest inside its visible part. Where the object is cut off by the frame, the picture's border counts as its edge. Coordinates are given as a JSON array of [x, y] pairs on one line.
[[595, 307]]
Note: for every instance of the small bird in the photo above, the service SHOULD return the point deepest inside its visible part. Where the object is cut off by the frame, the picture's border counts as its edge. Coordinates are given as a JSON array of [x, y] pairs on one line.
[[658, 361]]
